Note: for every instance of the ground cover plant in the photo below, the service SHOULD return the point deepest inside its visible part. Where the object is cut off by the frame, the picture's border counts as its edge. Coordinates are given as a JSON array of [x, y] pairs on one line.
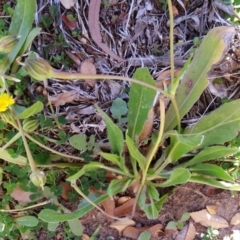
[[138, 157]]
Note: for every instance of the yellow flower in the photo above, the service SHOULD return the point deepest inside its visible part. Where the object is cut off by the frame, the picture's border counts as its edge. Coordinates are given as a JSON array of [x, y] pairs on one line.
[[5, 101]]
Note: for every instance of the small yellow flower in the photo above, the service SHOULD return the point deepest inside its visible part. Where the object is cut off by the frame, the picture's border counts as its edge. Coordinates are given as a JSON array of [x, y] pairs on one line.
[[5, 101]]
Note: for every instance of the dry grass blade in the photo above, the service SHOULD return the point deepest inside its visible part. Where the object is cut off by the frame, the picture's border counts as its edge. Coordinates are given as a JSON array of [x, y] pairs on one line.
[[94, 29]]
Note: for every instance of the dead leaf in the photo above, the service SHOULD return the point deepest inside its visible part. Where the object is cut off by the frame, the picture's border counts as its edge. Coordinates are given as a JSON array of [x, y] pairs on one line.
[[212, 209], [115, 89], [187, 233], [208, 220], [63, 98], [175, 11], [74, 57], [67, 3], [94, 29], [85, 237], [134, 232], [235, 219], [122, 200], [148, 125], [125, 208], [21, 196], [66, 189], [109, 206], [120, 225], [164, 78], [88, 68]]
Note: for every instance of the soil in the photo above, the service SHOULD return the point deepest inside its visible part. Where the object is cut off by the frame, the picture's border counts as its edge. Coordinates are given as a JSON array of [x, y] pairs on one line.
[[187, 198]]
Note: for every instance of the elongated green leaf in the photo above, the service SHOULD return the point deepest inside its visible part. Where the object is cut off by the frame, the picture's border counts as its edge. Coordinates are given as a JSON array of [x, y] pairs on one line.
[[118, 160], [33, 33], [215, 183], [34, 109], [21, 25], [178, 176], [182, 144], [146, 235], [140, 102], [134, 152], [115, 159], [7, 157], [115, 135], [76, 227], [153, 193], [2, 226], [118, 185], [28, 221], [210, 153], [51, 216], [152, 210], [89, 167], [220, 126], [211, 170], [210, 52]]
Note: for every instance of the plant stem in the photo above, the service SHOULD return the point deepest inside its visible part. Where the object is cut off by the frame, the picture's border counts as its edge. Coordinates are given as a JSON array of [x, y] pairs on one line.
[[28, 152], [175, 106], [78, 190], [10, 142], [26, 208], [67, 75], [50, 149]]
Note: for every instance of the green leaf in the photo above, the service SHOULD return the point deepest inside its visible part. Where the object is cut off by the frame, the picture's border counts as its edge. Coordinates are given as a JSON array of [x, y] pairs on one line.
[[1, 175], [76, 227], [210, 52], [220, 126], [134, 152], [20, 160], [34, 109], [210, 153], [118, 108], [118, 160], [118, 185], [28, 221], [152, 210], [86, 168], [115, 135], [140, 102], [78, 141], [182, 144], [152, 193], [115, 159], [52, 226], [178, 176], [51, 216], [211, 170], [215, 183], [146, 235], [185, 217], [2, 226], [21, 24], [33, 33]]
